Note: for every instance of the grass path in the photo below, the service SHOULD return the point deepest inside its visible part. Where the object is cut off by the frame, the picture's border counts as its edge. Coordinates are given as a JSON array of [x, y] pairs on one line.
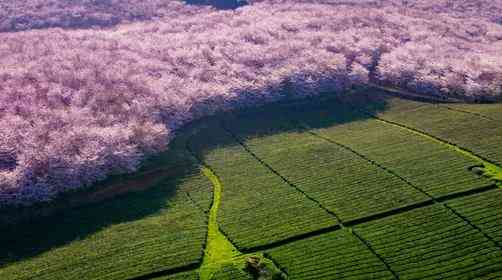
[[220, 252], [219, 249]]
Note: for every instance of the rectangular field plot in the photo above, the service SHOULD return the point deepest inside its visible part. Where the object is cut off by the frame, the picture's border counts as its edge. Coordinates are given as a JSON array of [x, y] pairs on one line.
[[136, 234], [335, 255], [339, 179], [432, 243], [257, 206], [474, 133], [483, 210], [425, 163]]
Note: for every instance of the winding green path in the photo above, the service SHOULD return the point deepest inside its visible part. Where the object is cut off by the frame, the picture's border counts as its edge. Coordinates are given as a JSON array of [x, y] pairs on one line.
[[257, 186], [219, 249]]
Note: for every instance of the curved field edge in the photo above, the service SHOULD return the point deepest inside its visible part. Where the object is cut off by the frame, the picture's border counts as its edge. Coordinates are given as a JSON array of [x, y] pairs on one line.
[[167, 164], [220, 253], [216, 248], [170, 82]]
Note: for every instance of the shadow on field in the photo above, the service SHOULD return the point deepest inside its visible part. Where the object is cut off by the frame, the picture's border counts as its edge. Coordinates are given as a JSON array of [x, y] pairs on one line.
[[39, 235], [36, 235], [289, 116]]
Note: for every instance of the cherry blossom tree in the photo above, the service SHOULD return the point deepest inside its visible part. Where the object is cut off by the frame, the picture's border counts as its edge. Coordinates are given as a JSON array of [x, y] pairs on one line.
[[79, 105]]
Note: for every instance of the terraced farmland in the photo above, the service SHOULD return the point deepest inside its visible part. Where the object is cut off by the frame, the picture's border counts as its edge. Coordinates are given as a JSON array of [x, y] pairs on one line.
[[251, 213], [335, 255], [323, 189], [488, 111], [432, 242], [134, 235], [483, 211], [336, 177], [476, 128]]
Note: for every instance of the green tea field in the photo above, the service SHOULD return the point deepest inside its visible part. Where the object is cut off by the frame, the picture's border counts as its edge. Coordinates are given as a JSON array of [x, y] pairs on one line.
[[369, 186]]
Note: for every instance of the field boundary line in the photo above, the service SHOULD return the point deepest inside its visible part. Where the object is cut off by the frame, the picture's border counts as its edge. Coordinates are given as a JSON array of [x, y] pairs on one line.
[[371, 218], [179, 269], [466, 220], [375, 253], [195, 203], [309, 130], [451, 147], [339, 221], [292, 239], [434, 200], [488, 164], [246, 148], [469, 113]]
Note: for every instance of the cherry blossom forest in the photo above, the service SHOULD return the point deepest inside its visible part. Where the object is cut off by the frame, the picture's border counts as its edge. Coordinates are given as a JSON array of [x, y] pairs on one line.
[[90, 88]]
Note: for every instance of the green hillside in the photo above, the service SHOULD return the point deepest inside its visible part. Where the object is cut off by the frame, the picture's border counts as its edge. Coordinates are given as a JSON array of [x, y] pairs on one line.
[[368, 187]]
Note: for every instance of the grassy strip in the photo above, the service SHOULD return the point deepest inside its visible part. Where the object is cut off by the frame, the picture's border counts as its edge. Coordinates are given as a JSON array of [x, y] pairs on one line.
[[218, 248], [258, 207], [222, 260]]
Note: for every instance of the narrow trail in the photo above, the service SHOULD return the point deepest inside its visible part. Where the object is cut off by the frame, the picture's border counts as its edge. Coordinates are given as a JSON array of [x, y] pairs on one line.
[[218, 248], [298, 189]]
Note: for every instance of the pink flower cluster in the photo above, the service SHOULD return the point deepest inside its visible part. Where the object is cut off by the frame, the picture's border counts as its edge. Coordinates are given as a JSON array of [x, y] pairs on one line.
[[79, 105], [21, 15]]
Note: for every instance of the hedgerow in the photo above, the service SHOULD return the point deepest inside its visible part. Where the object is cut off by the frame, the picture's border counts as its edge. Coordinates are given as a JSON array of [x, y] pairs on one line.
[[79, 105]]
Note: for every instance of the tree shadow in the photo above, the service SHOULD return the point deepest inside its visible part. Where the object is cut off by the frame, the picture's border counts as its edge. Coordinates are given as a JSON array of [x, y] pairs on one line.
[[37, 234], [290, 115]]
